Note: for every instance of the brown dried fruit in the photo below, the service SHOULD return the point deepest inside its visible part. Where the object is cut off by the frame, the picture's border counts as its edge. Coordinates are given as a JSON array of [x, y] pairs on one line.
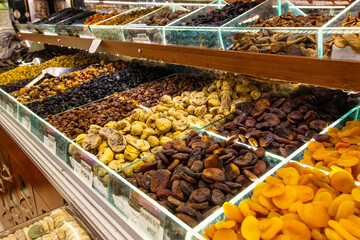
[[200, 195], [215, 174], [160, 180]]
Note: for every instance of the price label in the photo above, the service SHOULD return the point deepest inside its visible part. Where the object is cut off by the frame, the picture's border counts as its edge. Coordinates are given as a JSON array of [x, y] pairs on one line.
[[76, 165], [121, 203], [10, 109], [99, 187], [141, 38], [94, 45], [86, 172], [151, 225], [134, 217], [26, 122], [50, 142]]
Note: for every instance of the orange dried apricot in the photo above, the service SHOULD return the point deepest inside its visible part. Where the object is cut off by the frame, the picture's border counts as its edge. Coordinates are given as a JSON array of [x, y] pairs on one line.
[[345, 209], [275, 226], [267, 203], [245, 209], [225, 224], [333, 195], [332, 235], [290, 216], [317, 235], [314, 146], [320, 176], [314, 214], [294, 207], [258, 208], [342, 182], [355, 193], [250, 229], [225, 233], [304, 179], [264, 224], [289, 175], [272, 180], [336, 203], [296, 230], [351, 227], [341, 230], [320, 154], [273, 214], [295, 164], [304, 193], [258, 188], [332, 132], [347, 161], [211, 230], [307, 162], [323, 197], [232, 213], [284, 200], [273, 190]]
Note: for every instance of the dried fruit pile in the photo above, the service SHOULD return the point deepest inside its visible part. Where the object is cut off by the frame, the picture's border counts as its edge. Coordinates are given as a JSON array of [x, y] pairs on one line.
[[343, 40], [164, 18], [218, 17], [148, 94], [27, 71], [338, 149], [195, 176], [59, 16], [98, 17], [58, 85], [269, 41], [298, 203], [281, 125], [98, 88], [125, 18], [77, 121]]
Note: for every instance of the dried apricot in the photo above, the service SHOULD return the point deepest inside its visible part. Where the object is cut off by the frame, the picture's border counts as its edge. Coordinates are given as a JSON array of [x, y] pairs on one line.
[[289, 175], [258, 188], [232, 213], [345, 209], [332, 235], [290, 216], [314, 146], [304, 179], [245, 209], [225, 224], [332, 132], [320, 154], [273, 190], [304, 193], [317, 235], [355, 193], [351, 227], [211, 230], [258, 208], [284, 200], [314, 214], [333, 195], [272, 180], [333, 208], [225, 233], [250, 228], [282, 237], [296, 230], [342, 182], [347, 161], [341, 230], [267, 203], [273, 214], [275, 226], [323, 197], [295, 164], [264, 224], [320, 176]]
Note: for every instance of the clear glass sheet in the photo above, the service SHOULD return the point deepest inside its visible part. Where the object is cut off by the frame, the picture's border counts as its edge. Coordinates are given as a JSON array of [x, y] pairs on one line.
[[336, 47], [338, 20], [76, 30]]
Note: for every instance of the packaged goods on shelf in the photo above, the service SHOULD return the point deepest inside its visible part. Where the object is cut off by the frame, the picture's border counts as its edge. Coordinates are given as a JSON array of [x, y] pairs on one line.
[[58, 85], [29, 71], [193, 177], [296, 203], [98, 88]]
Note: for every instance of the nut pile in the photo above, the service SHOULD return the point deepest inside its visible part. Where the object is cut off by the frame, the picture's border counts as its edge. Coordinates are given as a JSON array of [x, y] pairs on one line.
[[298, 203], [120, 143], [218, 17], [58, 225], [280, 125], [338, 149], [195, 176], [58, 85], [269, 41], [343, 40], [98, 88], [148, 94], [125, 18], [77, 121], [27, 71], [99, 17], [164, 18]]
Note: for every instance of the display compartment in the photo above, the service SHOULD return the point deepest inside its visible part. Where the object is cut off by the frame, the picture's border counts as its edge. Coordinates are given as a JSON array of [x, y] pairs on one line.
[[132, 202], [139, 31], [25, 27], [177, 33], [76, 30], [46, 29]]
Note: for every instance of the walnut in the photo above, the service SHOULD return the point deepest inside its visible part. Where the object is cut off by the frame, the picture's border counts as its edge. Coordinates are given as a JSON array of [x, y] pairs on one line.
[[201, 110], [117, 142], [92, 141], [131, 153], [153, 141], [136, 129], [106, 155], [163, 125]]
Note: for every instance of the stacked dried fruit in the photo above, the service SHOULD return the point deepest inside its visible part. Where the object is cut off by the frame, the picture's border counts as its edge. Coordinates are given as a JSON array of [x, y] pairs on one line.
[[343, 40], [268, 41], [195, 176], [338, 149], [125, 18], [298, 203], [148, 94], [58, 85], [118, 144], [27, 71], [164, 18], [280, 125], [78, 121], [99, 17]]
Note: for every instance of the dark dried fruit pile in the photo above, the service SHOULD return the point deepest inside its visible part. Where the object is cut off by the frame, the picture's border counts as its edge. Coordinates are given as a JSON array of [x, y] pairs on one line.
[[148, 94], [164, 18], [195, 176], [77, 121], [98, 88], [281, 125], [15, 86], [218, 17], [59, 16]]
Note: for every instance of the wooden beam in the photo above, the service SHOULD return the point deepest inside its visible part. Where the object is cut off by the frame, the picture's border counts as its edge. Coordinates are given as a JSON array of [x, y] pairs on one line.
[[319, 72]]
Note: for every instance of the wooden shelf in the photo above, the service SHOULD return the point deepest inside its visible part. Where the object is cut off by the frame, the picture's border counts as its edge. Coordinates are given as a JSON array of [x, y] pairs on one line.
[[327, 73]]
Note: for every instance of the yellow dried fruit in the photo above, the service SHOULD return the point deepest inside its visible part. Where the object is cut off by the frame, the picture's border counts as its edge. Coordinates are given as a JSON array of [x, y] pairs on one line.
[[250, 229]]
